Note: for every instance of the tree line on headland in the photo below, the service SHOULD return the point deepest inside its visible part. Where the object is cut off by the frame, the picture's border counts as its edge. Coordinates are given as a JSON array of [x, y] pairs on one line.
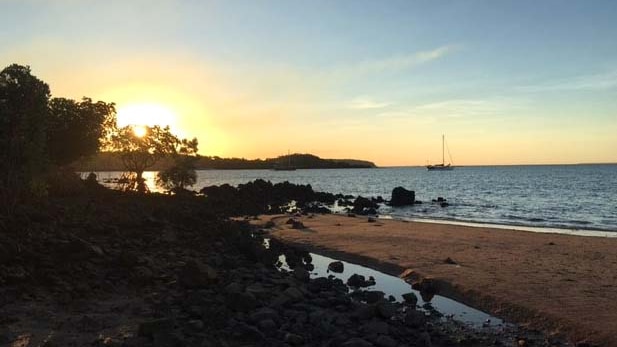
[[109, 161]]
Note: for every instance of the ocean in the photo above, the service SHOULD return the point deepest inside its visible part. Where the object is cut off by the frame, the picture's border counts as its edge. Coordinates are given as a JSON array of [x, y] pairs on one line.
[[562, 197]]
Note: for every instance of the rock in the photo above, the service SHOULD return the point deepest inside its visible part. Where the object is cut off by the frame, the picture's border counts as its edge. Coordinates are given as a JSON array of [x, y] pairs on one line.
[[301, 274], [234, 287], [364, 312], [414, 319], [410, 275], [373, 296], [290, 221], [371, 220], [265, 314], [444, 204], [369, 211], [385, 341], [294, 339], [195, 274], [427, 288], [357, 281], [402, 197], [257, 290], [297, 225], [266, 325], [248, 332], [196, 324], [356, 342], [386, 310], [143, 274], [450, 261], [149, 328], [410, 298], [364, 206], [336, 266], [242, 302], [424, 340], [376, 327], [293, 293], [269, 224]]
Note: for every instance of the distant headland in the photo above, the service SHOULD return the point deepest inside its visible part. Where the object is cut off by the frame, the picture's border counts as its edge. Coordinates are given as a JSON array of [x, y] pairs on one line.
[[110, 161]]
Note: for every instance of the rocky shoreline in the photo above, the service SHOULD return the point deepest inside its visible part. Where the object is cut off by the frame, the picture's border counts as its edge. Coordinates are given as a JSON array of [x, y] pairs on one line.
[[105, 268]]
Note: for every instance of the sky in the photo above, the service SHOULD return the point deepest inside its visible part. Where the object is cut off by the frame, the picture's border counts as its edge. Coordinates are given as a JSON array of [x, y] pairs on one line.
[[507, 82]]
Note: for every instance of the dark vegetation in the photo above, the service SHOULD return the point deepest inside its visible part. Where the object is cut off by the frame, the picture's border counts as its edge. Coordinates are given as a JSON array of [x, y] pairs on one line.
[[107, 161], [40, 136]]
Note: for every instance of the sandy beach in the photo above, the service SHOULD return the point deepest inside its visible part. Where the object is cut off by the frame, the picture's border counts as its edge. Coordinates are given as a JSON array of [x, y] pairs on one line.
[[559, 283]]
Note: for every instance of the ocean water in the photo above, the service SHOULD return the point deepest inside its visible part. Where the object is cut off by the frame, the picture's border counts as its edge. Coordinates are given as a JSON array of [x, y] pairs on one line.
[[572, 197]]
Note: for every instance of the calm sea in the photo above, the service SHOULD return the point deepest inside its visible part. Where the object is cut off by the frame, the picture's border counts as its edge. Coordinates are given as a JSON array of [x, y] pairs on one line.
[[579, 197]]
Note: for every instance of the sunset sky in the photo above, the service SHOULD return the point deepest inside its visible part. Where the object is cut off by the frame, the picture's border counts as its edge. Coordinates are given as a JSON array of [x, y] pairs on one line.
[[508, 82]]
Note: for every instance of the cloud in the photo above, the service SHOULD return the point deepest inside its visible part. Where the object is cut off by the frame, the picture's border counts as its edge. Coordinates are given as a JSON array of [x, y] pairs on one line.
[[456, 109], [590, 82], [366, 104], [402, 62], [462, 107], [389, 64]]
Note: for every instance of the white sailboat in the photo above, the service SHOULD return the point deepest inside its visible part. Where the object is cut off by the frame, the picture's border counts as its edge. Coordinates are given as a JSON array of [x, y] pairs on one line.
[[443, 166]]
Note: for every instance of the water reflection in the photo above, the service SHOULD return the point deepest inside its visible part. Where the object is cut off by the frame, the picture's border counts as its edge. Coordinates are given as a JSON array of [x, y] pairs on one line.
[[392, 285]]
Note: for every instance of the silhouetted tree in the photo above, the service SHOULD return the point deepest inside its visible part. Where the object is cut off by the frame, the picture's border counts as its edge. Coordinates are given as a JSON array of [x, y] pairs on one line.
[[77, 129], [23, 112], [139, 153], [182, 173]]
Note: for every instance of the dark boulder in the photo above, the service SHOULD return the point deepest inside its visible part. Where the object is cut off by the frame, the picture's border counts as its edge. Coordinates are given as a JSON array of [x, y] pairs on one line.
[[297, 225], [195, 274], [364, 206], [336, 266], [427, 288], [410, 299], [402, 197], [358, 281]]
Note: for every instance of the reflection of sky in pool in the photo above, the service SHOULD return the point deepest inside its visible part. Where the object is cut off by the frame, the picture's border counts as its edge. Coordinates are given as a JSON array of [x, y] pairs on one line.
[[396, 287]]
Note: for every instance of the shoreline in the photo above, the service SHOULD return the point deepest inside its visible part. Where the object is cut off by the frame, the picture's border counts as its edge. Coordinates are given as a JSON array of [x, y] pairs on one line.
[[507, 284], [533, 229]]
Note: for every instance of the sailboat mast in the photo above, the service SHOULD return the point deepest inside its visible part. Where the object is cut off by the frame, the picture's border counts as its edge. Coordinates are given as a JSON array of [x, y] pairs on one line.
[[443, 160]]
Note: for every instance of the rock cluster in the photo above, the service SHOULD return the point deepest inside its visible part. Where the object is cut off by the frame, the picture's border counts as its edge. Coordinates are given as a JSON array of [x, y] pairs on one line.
[[126, 270]]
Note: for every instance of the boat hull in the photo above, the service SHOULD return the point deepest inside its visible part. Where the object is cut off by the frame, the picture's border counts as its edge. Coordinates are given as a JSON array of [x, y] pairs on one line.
[[439, 167]]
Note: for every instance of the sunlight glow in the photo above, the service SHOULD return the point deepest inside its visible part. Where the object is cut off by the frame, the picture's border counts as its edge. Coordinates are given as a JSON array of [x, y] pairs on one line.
[[140, 130], [149, 114]]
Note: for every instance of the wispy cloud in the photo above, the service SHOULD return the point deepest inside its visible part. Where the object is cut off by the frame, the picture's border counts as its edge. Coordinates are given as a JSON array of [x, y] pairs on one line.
[[456, 109], [590, 82], [402, 62], [462, 107], [364, 103], [388, 64]]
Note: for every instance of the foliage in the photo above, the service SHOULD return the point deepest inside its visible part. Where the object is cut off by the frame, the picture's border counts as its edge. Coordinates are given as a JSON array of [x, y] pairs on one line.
[[139, 153], [179, 176], [77, 129], [23, 113]]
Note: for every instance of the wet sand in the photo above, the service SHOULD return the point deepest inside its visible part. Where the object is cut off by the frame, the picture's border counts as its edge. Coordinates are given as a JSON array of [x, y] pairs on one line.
[[560, 283]]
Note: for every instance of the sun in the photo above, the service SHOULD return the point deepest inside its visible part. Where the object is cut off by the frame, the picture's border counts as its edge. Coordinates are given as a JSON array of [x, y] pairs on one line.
[[140, 130], [140, 115]]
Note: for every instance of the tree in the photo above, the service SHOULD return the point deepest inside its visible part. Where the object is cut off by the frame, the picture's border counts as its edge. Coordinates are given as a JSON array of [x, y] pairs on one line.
[[182, 173], [23, 121], [139, 153], [77, 129]]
